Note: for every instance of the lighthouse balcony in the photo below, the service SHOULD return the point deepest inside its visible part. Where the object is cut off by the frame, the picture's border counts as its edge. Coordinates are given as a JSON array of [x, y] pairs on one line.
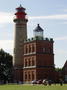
[[20, 18]]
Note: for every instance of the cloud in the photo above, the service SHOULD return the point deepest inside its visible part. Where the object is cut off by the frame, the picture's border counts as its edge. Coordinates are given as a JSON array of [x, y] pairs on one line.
[[7, 45], [60, 51], [65, 10], [6, 17], [61, 38], [50, 17]]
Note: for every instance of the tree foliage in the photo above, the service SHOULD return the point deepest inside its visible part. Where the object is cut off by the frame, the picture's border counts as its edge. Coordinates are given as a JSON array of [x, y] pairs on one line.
[[58, 69], [5, 66]]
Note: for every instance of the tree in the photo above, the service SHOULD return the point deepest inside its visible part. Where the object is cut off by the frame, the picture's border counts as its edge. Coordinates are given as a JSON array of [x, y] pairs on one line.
[[5, 66], [58, 69]]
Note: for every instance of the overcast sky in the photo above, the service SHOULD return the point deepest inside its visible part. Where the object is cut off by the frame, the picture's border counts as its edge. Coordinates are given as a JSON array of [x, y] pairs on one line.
[[50, 14]]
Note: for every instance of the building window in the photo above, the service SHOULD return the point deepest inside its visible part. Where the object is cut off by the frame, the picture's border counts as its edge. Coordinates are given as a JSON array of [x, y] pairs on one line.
[[29, 76], [33, 61], [47, 50], [25, 49], [29, 62], [29, 49], [44, 50], [65, 77], [25, 62], [25, 76], [33, 48], [65, 68], [51, 50], [33, 75]]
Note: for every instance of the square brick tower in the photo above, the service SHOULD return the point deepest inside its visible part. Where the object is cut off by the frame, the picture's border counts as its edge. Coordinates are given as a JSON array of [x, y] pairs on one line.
[[38, 57]]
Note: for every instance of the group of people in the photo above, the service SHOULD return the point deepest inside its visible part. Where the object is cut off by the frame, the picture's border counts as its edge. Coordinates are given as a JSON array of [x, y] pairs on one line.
[[46, 82]]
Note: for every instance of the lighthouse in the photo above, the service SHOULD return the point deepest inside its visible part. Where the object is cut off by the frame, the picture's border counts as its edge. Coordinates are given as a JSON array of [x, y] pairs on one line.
[[20, 35]]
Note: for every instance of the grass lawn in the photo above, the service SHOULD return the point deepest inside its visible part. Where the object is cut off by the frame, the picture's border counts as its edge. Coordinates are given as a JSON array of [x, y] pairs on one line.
[[31, 87]]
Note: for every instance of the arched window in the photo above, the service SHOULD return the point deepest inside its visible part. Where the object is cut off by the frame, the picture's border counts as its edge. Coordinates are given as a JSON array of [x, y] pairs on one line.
[[33, 61], [44, 50], [29, 76], [29, 48], [29, 61], [33, 75], [51, 50], [25, 75], [26, 49], [25, 62], [33, 48]]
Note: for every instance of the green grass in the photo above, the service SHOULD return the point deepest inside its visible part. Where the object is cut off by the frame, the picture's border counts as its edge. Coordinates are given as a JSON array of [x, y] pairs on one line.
[[31, 87]]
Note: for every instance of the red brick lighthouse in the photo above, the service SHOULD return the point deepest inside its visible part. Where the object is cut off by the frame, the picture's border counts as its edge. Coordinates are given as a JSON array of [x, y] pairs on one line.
[[20, 35]]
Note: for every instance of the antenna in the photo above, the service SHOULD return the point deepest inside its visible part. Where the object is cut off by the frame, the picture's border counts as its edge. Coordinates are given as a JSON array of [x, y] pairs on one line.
[[20, 5], [21, 2]]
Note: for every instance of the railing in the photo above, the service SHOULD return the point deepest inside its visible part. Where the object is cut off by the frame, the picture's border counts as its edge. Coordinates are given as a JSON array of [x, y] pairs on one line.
[[30, 53], [38, 38], [29, 67]]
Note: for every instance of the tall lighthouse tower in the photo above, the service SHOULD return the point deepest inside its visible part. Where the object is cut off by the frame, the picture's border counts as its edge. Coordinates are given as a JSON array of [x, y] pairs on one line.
[[20, 35]]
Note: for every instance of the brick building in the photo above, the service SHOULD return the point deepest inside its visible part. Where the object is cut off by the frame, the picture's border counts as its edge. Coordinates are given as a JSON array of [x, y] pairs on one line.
[[64, 72], [38, 57], [33, 58]]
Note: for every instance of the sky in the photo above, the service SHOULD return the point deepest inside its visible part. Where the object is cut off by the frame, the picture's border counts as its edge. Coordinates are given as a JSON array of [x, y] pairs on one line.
[[50, 14]]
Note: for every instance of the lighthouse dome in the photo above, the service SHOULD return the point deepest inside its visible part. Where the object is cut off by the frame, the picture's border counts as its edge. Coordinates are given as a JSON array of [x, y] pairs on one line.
[[38, 31]]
